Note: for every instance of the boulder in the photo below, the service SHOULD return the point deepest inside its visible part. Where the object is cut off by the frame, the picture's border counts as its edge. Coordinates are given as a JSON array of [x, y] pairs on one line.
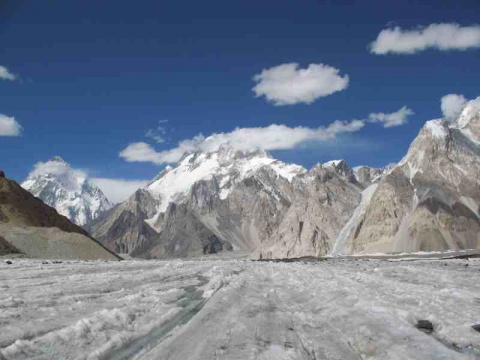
[[425, 326]]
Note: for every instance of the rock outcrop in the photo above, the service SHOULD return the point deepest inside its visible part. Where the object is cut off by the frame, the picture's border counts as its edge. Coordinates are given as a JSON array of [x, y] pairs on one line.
[[227, 199], [35, 229], [430, 200], [246, 200]]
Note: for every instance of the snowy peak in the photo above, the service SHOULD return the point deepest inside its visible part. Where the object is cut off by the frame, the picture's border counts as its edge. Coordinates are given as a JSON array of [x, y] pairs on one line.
[[225, 155], [471, 112], [438, 128], [367, 175], [469, 121], [438, 136], [58, 159], [226, 166], [67, 190], [342, 169]]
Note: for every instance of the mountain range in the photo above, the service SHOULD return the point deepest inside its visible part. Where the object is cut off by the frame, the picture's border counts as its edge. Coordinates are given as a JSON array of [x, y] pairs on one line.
[[229, 199]]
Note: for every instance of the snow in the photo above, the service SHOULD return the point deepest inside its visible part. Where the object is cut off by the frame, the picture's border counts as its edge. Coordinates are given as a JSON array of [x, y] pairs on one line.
[[67, 190], [333, 163], [464, 121], [287, 171], [176, 183], [469, 111], [344, 234], [471, 136], [239, 309], [437, 128], [179, 180]]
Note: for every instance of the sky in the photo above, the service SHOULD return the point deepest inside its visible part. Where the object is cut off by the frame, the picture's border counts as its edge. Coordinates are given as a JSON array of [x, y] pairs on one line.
[[120, 88]]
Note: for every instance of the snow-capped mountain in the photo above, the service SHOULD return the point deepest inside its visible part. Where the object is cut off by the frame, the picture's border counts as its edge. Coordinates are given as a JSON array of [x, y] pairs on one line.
[[67, 190], [227, 166], [430, 201], [231, 199], [246, 200]]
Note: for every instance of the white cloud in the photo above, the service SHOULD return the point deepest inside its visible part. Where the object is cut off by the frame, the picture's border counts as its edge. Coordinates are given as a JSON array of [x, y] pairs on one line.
[[446, 36], [396, 118], [5, 74], [452, 105], [9, 127], [71, 179], [158, 134], [273, 137], [287, 84], [118, 190]]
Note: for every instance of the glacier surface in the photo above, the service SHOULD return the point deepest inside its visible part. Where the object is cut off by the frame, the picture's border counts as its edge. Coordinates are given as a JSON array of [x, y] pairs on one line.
[[239, 309]]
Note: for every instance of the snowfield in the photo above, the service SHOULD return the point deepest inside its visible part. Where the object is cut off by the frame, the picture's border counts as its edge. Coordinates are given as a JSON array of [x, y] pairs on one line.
[[239, 309]]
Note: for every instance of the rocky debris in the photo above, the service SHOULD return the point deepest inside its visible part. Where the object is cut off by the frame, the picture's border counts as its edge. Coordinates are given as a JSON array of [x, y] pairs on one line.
[[8, 262], [425, 325]]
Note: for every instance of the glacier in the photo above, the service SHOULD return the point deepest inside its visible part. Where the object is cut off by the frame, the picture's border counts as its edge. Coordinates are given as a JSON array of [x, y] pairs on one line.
[[239, 309]]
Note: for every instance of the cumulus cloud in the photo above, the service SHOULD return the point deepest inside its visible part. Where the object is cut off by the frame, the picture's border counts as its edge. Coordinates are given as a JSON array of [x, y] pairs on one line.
[[116, 190], [287, 84], [5, 74], [273, 137], [71, 179], [396, 118], [445, 36], [158, 133], [9, 126], [452, 105]]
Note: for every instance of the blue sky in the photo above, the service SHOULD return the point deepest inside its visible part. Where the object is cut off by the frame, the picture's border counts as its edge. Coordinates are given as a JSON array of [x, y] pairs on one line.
[[94, 77]]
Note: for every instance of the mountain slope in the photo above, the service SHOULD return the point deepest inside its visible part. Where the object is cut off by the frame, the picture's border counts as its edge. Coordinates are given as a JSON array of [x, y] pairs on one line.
[[430, 201], [37, 230], [230, 199], [246, 200], [67, 190]]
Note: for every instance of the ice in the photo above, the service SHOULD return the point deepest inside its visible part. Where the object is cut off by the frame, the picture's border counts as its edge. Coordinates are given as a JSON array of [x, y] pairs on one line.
[[239, 309]]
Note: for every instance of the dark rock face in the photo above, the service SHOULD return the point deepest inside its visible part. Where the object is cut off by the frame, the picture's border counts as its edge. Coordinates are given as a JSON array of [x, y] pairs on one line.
[[19, 207], [425, 325], [123, 228], [180, 223], [6, 248], [49, 234], [476, 327], [2, 173]]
